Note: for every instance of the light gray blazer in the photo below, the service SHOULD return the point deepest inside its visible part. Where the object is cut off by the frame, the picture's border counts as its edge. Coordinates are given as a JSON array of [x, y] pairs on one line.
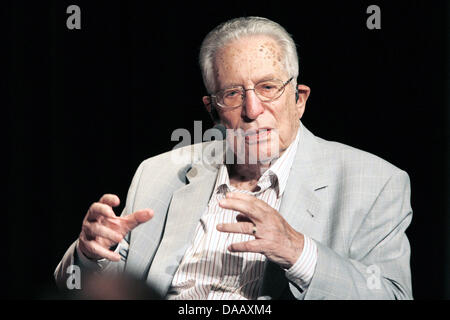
[[355, 206]]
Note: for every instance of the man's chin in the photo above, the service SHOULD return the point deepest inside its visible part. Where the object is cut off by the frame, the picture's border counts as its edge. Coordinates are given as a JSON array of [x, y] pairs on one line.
[[263, 150]]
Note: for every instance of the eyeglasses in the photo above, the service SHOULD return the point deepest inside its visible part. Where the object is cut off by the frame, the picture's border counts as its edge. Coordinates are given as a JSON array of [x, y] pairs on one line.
[[266, 91]]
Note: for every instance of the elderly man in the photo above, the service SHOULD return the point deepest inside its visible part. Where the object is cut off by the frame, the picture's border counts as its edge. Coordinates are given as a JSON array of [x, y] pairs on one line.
[[306, 219]]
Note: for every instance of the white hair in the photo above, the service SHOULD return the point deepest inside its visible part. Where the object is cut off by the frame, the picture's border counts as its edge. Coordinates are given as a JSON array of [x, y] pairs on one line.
[[242, 27]]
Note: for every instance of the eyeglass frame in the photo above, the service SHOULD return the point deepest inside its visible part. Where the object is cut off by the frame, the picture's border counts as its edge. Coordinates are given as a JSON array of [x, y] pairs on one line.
[[244, 94]]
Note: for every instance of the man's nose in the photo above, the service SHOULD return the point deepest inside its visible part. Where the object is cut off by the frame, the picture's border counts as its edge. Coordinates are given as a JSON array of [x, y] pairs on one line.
[[252, 105]]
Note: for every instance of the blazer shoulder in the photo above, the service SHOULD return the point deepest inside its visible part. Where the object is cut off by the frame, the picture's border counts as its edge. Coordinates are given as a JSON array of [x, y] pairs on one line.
[[353, 160], [174, 164], [159, 176]]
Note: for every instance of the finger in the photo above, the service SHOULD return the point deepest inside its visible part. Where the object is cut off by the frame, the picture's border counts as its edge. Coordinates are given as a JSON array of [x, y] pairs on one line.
[[240, 227], [94, 230], [100, 210], [110, 199], [240, 195], [97, 250], [245, 207], [247, 197], [113, 223], [138, 217], [256, 246]]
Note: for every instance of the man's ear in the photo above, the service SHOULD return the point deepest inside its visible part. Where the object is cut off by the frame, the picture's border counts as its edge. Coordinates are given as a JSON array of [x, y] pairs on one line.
[[210, 109], [207, 103], [303, 94]]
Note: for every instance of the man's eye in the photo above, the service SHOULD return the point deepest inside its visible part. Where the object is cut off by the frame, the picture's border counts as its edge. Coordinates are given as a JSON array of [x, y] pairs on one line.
[[266, 87], [231, 94]]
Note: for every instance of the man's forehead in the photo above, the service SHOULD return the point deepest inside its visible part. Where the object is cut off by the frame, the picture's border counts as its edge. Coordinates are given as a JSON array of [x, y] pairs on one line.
[[249, 45], [255, 58]]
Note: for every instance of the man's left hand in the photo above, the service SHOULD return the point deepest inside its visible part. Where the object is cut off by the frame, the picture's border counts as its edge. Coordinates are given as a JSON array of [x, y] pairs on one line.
[[274, 237]]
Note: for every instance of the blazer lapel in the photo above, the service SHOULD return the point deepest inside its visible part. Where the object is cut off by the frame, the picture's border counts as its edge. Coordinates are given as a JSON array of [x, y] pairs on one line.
[[186, 208], [301, 205]]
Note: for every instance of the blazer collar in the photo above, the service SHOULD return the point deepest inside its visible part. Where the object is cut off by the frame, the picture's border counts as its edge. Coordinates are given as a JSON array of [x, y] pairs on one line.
[[186, 207], [301, 205]]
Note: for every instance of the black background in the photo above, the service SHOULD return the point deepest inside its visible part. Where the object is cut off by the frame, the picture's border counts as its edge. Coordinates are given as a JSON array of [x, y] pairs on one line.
[[85, 107]]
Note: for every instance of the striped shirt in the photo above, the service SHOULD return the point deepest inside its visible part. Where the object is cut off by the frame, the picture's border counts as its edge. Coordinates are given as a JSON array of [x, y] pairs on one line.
[[209, 271]]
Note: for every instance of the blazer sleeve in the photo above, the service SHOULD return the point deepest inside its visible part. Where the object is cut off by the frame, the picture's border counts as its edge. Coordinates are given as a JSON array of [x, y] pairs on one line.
[[70, 258], [378, 263]]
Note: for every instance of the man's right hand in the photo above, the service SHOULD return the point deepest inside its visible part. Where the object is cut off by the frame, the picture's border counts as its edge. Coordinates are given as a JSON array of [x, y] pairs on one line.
[[102, 229]]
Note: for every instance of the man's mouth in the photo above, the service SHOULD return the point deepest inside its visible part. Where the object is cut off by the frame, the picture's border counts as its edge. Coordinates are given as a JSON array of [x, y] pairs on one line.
[[258, 135]]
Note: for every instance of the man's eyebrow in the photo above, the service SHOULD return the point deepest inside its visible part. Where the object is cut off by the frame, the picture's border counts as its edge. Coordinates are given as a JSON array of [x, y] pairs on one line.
[[264, 78], [230, 85], [267, 77]]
